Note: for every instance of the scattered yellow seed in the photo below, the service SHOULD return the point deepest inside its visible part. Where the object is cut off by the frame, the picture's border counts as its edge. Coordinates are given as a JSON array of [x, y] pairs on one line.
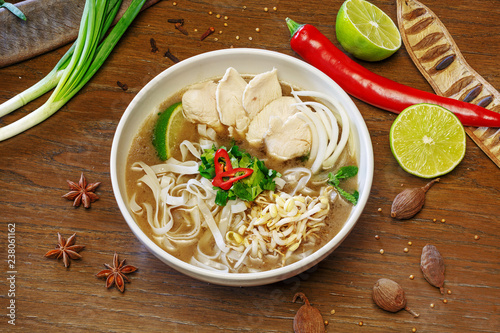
[[443, 220], [244, 7], [195, 30], [217, 16], [220, 32], [380, 209], [225, 24], [326, 322], [360, 323], [266, 9], [476, 237], [449, 292], [275, 8], [225, 17], [413, 329], [210, 13], [250, 38], [410, 243], [412, 277], [257, 29], [406, 250], [377, 237], [432, 305], [237, 37], [333, 311], [445, 301], [382, 251], [174, 3], [216, 39]]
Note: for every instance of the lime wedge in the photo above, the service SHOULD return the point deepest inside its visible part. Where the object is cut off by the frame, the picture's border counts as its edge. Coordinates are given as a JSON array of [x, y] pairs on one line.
[[427, 140], [366, 32], [166, 130]]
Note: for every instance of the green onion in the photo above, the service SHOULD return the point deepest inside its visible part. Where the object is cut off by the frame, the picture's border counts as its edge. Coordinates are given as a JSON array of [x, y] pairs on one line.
[[77, 66], [13, 9]]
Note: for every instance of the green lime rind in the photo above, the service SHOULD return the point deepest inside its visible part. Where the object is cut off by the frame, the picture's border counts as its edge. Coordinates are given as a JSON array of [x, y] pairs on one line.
[[366, 32], [427, 140], [160, 135]]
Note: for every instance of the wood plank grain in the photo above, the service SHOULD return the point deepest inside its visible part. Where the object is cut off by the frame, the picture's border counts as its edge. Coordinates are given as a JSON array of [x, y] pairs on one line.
[[34, 167]]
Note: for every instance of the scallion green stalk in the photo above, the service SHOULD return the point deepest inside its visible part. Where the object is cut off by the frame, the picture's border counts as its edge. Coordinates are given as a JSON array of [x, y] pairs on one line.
[[51, 80], [77, 66]]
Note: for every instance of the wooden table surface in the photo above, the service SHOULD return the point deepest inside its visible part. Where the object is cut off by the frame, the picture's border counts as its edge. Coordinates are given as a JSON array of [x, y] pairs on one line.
[[34, 167]]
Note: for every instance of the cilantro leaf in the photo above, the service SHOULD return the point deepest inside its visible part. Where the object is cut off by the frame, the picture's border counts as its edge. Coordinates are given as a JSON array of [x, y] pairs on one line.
[[344, 173], [347, 172]]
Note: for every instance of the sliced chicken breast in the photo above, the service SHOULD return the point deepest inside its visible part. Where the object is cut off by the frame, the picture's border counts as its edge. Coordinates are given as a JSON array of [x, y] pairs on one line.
[[199, 105], [288, 139], [282, 108], [229, 99], [260, 91]]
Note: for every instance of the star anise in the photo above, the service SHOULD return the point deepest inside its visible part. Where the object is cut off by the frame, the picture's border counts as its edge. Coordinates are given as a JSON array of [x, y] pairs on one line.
[[66, 249], [116, 275], [82, 192]]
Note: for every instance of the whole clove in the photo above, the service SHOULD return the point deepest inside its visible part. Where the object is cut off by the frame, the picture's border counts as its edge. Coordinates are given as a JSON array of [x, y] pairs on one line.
[[154, 49], [179, 27], [181, 21], [207, 33], [432, 265], [307, 319], [122, 85], [170, 56], [410, 201], [390, 296]]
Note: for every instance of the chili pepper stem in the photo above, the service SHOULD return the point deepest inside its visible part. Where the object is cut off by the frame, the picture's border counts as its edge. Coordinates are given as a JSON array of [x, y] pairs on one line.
[[293, 26]]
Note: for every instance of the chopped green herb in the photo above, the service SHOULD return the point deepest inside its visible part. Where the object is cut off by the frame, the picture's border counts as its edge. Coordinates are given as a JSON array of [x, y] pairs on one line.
[[247, 188], [344, 173], [305, 158]]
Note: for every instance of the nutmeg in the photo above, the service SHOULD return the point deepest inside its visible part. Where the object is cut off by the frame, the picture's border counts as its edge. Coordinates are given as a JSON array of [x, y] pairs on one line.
[[307, 319], [390, 296], [410, 201], [432, 265]]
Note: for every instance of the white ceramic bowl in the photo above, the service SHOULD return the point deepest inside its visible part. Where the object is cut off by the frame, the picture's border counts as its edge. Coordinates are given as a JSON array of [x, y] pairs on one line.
[[214, 64]]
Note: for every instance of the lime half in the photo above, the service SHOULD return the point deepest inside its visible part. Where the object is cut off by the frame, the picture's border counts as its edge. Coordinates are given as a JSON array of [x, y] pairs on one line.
[[366, 32], [427, 140], [167, 127]]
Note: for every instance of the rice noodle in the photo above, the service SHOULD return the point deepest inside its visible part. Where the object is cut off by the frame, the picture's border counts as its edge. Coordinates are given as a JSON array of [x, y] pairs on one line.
[[319, 136], [303, 175], [345, 123], [211, 266]]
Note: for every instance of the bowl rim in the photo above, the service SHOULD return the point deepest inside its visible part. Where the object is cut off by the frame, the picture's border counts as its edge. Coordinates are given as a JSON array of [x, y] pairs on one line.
[[273, 274]]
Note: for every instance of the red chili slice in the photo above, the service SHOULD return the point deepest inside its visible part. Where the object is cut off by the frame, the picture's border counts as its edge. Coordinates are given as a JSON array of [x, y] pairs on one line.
[[219, 181], [222, 161]]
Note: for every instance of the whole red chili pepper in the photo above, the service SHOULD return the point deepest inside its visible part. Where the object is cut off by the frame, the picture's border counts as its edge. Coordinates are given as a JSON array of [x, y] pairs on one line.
[[219, 181], [374, 89]]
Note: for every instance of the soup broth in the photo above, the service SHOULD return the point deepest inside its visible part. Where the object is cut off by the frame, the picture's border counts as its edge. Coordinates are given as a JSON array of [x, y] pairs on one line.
[[248, 259]]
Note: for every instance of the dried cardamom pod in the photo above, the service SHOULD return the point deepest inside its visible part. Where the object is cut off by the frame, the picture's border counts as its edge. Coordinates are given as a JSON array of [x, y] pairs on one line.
[[308, 319], [410, 201], [432, 265], [390, 296]]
